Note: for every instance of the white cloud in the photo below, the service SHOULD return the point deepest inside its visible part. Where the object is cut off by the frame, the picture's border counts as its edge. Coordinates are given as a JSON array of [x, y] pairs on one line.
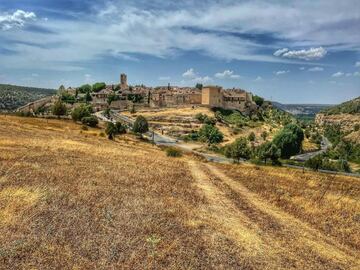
[[357, 74], [88, 78], [281, 51], [258, 79], [302, 68], [357, 64], [338, 74], [164, 78], [310, 54], [316, 69], [281, 72], [227, 74], [17, 19], [204, 79], [348, 74], [189, 74]]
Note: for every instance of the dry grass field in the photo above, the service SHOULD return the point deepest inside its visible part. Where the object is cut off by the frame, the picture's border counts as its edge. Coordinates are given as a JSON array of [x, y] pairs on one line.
[[71, 199]]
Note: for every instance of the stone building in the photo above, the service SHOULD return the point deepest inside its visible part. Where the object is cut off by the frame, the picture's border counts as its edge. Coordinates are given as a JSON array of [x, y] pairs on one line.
[[123, 81], [230, 99]]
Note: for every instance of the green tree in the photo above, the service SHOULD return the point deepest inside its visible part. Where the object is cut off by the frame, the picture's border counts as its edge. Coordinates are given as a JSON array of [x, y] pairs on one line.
[[59, 108], [90, 121], [289, 140], [141, 125], [238, 149], [81, 111], [258, 100], [252, 137], [114, 129], [85, 88], [88, 97], [199, 86], [98, 86], [270, 151], [210, 134], [264, 135]]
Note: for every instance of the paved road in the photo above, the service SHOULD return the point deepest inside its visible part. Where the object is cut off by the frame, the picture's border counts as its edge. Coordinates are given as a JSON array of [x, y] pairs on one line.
[[168, 141], [325, 145]]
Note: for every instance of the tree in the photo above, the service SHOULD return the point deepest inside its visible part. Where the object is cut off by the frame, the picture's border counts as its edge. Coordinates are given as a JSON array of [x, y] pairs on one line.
[[114, 129], [88, 97], [85, 88], [199, 86], [270, 151], [264, 135], [289, 140], [258, 100], [252, 137], [81, 111], [141, 125], [112, 97], [238, 149], [98, 86], [59, 108], [90, 121], [210, 134]]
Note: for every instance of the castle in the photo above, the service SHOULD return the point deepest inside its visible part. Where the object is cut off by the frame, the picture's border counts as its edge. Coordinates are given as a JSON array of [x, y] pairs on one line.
[[124, 97]]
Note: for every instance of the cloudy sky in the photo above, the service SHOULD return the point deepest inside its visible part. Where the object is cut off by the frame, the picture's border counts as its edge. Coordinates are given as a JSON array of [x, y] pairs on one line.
[[300, 52]]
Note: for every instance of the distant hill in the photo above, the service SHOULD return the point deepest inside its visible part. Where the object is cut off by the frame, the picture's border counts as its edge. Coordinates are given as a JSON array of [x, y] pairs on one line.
[[350, 107], [301, 109], [12, 96]]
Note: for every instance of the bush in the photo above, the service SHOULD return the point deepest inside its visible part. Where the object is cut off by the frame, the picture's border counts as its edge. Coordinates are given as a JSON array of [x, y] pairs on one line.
[[81, 111], [90, 121], [270, 151], [173, 152], [289, 140], [258, 100], [59, 108], [238, 149], [252, 137], [114, 129], [98, 86], [141, 125], [86, 88], [210, 134]]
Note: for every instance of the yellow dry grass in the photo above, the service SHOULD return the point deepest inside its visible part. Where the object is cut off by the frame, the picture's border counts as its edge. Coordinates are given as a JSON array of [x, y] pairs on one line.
[[71, 199]]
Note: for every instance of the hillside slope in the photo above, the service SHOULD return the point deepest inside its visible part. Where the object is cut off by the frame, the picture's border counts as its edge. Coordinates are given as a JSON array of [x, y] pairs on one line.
[[348, 107], [12, 97], [72, 199]]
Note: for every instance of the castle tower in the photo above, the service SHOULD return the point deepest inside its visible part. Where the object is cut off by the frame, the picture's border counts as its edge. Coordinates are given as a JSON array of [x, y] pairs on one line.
[[123, 81], [211, 96]]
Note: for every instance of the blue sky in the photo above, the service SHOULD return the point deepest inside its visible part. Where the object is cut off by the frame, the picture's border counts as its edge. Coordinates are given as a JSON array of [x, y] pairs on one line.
[[298, 52]]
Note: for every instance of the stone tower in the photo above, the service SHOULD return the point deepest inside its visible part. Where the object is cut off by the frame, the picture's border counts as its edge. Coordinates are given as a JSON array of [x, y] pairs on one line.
[[123, 81], [211, 96]]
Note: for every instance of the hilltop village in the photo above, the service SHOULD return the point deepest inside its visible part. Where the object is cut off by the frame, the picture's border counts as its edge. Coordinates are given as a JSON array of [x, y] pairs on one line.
[[124, 97]]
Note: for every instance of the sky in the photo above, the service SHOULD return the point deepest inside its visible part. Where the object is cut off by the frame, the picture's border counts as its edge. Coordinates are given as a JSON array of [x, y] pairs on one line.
[[286, 51]]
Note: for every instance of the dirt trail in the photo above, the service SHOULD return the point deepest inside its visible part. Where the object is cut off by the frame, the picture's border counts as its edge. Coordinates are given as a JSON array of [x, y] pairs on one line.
[[264, 233]]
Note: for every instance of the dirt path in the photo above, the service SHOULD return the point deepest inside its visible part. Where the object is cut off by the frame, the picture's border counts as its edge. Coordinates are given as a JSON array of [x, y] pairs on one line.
[[267, 236]]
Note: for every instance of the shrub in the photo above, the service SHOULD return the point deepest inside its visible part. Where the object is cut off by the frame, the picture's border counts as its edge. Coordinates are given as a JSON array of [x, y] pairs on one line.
[[59, 108], [252, 137], [173, 152], [141, 125], [86, 88], [269, 151], [68, 98], [264, 135], [238, 149], [98, 86], [289, 140], [114, 129], [90, 121], [210, 134], [81, 111], [258, 100]]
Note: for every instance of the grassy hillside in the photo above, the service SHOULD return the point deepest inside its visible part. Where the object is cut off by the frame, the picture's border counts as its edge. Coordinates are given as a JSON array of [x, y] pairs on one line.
[[348, 107], [71, 199], [12, 97]]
